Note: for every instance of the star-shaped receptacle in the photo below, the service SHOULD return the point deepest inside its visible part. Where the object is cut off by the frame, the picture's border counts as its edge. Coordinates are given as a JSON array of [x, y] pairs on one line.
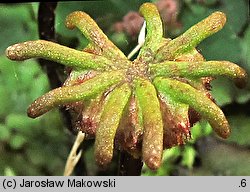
[[141, 106]]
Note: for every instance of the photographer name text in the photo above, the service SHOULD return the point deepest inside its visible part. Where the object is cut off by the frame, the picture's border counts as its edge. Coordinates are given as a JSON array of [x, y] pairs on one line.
[[70, 183]]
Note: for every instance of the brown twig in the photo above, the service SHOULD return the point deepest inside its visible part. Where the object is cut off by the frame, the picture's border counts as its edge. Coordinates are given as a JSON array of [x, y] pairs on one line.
[[46, 28], [46, 23]]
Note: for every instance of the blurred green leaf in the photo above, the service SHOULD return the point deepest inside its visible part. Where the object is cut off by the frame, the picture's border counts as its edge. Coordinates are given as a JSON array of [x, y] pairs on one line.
[[19, 84], [18, 23], [210, 2], [4, 133], [188, 156], [240, 125], [223, 91], [22, 124], [224, 45], [17, 141], [219, 158], [8, 171], [200, 129], [120, 39], [232, 8], [246, 49], [4, 97], [37, 91]]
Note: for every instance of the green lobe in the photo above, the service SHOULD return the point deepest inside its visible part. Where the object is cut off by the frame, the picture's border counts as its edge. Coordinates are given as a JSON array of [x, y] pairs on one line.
[[69, 94], [94, 34], [154, 29], [58, 53], [192, 37], [200, 69], [152, 145], [196, 99], [110, 118]]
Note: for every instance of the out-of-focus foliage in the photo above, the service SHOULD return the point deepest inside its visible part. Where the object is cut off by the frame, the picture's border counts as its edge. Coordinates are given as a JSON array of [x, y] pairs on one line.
[[27, 146], [41, 146], [18, 23], [224, 159]]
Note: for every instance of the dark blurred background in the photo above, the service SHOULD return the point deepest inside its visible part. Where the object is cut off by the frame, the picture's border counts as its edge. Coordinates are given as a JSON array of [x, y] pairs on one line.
[[41, 146]]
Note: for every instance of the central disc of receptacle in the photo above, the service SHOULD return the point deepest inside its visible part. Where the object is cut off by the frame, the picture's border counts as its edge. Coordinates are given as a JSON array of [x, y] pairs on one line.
[[137, 68]]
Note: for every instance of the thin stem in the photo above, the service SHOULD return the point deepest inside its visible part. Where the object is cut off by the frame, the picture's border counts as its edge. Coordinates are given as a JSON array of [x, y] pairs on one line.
[[58, 53], [152, 144], [93, 33], [192, 37], [196, 99], [73, 157], [68, 94], [46, 20], [200, 69]]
